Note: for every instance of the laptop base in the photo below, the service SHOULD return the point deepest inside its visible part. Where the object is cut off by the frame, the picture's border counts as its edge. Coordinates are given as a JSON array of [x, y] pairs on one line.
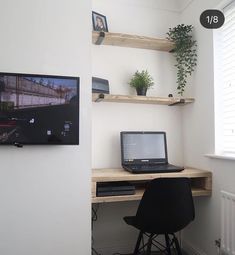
[[144, 169]]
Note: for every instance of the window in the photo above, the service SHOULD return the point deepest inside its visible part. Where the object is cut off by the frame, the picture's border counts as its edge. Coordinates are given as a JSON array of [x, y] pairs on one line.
[[225, 85]]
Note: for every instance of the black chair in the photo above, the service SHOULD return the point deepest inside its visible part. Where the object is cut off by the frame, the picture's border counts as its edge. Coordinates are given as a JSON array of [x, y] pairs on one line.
[[165, 208]]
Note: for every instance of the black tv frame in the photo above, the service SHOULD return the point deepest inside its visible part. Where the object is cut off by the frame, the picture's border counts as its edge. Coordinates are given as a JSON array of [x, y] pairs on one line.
[[21, 144]]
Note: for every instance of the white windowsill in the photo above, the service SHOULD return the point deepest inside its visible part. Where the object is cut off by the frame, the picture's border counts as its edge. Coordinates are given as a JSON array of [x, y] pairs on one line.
[[217, 156]]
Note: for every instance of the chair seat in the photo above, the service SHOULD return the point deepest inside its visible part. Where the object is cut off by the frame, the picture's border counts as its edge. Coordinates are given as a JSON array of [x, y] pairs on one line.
[[130, 220]]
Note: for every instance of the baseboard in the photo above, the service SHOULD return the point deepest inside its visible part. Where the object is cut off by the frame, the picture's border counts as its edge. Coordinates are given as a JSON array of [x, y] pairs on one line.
[[191, 249], [121, 248], [125, 248]]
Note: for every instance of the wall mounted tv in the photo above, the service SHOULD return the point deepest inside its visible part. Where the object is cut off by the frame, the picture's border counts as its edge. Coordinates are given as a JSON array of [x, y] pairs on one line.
[[39, 109]]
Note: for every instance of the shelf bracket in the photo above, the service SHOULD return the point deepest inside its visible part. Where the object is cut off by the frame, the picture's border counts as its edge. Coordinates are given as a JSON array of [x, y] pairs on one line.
[[99, 98], [180, 102], [100, 38]]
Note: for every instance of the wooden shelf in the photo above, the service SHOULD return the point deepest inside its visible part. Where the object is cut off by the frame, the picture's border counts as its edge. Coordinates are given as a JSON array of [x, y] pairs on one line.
[[132, 41], [197, 192], [96, 97], [137, 196], [201, 182], [139, 193], [119, 174]]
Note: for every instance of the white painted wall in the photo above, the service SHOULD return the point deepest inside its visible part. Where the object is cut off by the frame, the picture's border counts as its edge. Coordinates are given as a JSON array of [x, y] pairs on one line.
[[45, 190], [117, 64], [198, 136], [182, 4]]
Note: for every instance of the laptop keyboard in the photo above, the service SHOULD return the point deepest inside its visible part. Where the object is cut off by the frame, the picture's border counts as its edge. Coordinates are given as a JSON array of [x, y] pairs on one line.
[[154, 168]]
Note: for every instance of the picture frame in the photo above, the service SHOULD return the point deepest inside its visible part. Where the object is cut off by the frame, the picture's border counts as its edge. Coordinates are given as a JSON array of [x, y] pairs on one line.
[[99, 22]]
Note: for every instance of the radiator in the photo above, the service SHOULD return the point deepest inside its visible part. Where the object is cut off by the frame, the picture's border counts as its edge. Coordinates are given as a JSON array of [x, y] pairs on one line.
[[228, 223]]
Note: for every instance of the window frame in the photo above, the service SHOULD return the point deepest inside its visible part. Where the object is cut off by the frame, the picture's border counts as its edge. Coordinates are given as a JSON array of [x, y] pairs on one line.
[[218, 89]]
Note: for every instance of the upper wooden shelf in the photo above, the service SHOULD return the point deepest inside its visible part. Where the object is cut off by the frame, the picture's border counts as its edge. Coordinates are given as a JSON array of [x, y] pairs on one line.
[[96, 97], [133, 41]]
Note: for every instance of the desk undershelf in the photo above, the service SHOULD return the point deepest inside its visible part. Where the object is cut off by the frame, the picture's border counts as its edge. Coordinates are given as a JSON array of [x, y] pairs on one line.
[[137, 196], [97, 97], [132, 41], [201, 182], [139, 193]]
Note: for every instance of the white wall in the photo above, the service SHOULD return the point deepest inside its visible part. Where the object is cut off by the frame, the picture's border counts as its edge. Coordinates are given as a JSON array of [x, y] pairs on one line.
[[45, 190], [117, 64], [198, 136], [182, 4]]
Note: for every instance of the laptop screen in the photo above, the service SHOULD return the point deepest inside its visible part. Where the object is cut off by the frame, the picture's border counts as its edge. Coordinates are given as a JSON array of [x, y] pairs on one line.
[[143, 147]]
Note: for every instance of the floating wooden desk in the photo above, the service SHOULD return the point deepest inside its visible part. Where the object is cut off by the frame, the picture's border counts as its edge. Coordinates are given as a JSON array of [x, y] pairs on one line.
[[201, 182]]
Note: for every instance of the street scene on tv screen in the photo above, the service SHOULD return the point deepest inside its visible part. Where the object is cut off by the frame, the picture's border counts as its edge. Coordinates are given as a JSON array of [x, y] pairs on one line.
[[39, 109]]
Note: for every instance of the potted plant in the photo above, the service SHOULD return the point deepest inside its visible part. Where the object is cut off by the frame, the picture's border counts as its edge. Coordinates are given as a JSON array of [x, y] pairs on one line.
[[184, 52], [141, 81]]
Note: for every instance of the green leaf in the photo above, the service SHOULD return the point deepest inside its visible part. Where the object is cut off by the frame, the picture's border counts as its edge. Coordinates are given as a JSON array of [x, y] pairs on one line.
[[184, 52]]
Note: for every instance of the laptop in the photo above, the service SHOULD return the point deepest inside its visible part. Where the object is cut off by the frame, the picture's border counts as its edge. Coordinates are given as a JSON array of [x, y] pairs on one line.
[[146, 152]]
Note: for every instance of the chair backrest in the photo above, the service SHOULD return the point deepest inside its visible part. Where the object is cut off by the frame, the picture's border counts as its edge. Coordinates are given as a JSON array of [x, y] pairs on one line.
[[166, 206]]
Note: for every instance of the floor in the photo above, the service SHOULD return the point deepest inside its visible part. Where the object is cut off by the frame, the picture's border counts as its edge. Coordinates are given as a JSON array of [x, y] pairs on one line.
[[158, 253]]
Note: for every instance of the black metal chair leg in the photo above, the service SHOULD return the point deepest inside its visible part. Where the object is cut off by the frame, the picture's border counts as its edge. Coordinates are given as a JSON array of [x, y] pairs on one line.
[[138, 243], [149, 245], [168, 247], [177, 246]]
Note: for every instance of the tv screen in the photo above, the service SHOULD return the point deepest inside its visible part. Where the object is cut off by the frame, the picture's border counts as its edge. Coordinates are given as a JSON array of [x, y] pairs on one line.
[[39, 109]]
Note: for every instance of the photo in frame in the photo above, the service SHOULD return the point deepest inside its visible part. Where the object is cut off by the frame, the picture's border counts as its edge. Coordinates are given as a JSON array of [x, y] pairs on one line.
[[99, 22]]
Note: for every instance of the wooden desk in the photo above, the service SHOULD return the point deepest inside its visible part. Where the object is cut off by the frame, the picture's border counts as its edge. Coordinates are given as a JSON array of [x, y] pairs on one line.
[[201, 182]]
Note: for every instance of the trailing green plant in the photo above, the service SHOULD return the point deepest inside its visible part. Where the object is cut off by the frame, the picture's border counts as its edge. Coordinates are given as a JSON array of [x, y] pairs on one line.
[[141, 80], [184, 52]]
